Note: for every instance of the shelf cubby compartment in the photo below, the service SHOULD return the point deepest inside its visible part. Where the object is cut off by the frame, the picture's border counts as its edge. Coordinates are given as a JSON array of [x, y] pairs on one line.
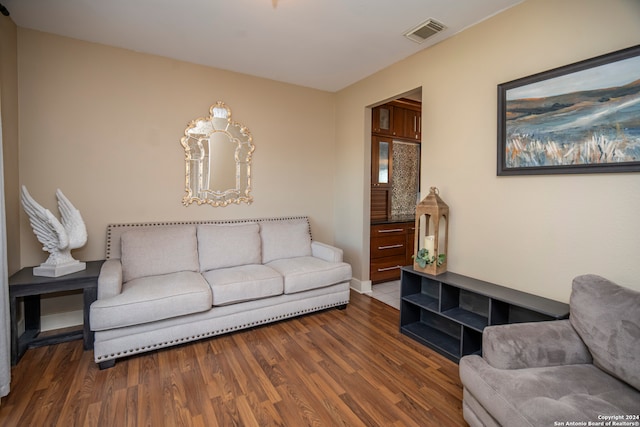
[[503, 313], [471, 341], [466, 307], [437, 332], [448, 312], [421, 291]]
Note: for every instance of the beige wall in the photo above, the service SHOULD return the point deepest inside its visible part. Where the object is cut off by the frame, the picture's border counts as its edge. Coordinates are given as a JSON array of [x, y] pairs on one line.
[[533, 233], [9, 115], [104, 125]]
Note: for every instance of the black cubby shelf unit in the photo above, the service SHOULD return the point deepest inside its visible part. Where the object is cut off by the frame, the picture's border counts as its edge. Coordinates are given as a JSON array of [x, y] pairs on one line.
[[448, 312]]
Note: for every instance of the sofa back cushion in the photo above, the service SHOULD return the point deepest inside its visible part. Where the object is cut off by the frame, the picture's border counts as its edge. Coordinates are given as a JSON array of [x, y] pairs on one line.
[[228, 245], [285, 239], [607, 318], [158, 250]]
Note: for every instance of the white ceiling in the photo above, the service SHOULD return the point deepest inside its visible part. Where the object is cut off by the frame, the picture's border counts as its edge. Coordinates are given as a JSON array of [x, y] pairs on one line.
[[322, 44]]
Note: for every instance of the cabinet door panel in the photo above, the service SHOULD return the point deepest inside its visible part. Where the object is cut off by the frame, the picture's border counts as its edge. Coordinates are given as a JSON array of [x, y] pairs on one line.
[[388, 246], [380, 204], [412, 124], [382, 119], [387, 268], [399, 120]]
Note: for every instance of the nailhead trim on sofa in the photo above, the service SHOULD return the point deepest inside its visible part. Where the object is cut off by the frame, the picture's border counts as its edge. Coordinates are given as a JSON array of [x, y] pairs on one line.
[[216, 332], [110, 227]]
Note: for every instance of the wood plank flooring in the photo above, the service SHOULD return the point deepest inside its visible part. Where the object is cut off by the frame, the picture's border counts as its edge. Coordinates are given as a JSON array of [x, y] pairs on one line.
[[333, 368]]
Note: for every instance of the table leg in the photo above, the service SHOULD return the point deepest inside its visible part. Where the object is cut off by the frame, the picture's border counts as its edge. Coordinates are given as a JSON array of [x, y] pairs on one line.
[[19, 343], [89, 295], [14, 330], [32, 313]]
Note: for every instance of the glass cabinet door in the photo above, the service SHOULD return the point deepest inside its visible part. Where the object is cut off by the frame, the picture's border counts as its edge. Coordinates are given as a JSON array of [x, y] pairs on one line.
[[382, 119], [381, 162]]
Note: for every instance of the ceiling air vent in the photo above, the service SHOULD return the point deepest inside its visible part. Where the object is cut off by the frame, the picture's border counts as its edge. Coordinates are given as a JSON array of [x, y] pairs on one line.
[[425, 30]]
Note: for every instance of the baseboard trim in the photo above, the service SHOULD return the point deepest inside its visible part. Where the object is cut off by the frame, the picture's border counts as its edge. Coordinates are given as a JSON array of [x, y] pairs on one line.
[[66, 319], [361, 286]]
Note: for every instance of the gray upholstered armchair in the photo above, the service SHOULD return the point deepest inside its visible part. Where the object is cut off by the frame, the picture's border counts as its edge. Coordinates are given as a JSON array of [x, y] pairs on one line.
[[585, 368]]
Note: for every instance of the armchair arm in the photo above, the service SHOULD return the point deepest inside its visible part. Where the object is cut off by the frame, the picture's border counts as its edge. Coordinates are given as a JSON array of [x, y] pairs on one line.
[[326, 252], [110, 279], [530, 345]]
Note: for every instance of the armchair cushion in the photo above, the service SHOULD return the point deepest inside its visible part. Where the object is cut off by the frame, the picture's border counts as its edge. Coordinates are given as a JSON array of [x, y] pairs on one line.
[[530, 345], [541, 396], [607, 318]]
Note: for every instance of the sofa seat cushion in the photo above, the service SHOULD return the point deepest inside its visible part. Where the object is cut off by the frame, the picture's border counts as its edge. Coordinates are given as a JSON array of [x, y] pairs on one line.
[[304, 273], [243, 283], [152, 298], [542, 396]]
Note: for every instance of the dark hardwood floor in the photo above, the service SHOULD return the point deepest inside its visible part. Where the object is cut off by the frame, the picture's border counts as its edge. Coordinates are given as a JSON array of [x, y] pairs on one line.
[[333, 368]]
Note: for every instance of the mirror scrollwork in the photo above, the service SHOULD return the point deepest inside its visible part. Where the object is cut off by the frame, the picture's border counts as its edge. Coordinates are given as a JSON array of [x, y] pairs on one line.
[[217, 154]]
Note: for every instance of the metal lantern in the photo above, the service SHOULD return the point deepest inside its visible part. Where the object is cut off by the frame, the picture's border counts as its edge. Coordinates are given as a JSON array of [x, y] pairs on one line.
[[432, 234]]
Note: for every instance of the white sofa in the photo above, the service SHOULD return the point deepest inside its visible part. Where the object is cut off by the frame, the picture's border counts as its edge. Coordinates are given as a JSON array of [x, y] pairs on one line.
[[164, 284]]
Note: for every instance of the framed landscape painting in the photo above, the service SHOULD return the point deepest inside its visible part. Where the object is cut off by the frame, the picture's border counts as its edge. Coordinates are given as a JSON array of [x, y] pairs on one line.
[[580, 118]]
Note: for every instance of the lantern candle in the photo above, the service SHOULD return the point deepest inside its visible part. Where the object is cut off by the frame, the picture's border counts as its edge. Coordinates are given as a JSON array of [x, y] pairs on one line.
[[432, 227], [429, 245]]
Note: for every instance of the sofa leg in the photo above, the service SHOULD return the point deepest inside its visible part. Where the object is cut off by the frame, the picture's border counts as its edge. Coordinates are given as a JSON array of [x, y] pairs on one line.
[[107, 364], [342, 307]]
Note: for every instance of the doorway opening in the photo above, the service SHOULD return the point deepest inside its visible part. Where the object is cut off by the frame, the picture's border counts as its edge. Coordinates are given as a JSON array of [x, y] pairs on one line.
[[396, 136]]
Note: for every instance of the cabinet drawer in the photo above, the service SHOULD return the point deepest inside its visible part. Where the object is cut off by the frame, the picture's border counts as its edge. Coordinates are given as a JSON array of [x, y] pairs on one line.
[[388, 268], [387, 230], [394, 244]]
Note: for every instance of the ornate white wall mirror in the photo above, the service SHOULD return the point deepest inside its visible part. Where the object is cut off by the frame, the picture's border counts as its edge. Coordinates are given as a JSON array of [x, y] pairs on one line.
[[217, 154]]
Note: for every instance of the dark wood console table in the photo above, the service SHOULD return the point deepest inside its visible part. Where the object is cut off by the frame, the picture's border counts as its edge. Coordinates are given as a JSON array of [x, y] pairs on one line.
[[24, 284], [448, 312]]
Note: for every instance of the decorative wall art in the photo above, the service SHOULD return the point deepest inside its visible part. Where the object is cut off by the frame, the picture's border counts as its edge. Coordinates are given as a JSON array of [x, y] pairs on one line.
[[580, 118], [217, 153]]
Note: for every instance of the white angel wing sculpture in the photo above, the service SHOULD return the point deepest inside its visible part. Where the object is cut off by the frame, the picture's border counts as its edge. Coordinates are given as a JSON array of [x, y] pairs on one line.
[[57, 238]]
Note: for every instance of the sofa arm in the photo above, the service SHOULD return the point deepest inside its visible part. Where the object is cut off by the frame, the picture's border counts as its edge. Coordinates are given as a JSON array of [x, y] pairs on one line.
[[326, 252], [536, 344], [110, 279]]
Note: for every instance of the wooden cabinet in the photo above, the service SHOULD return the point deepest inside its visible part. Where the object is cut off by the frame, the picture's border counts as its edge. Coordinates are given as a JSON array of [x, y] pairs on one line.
[[389, 250], [448, 312], [399, 119], [382, 119], [412, 124]]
